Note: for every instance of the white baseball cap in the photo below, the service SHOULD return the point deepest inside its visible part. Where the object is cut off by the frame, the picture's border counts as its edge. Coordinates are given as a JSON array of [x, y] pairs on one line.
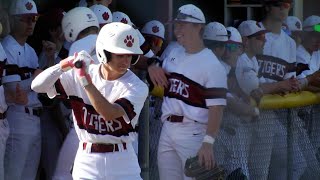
[[234, 35], [215, 31], [154, 28], [103, 13], [293, 23], [21, 7], [190, 13], [251, 28], [310, 22], [121, 17]]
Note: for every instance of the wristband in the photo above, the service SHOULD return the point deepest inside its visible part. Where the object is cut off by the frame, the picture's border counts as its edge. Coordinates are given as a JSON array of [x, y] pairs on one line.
[[208, 139]]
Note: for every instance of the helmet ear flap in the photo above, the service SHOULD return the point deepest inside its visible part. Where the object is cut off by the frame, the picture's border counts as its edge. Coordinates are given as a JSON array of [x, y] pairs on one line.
[[103, 55], [107, 55]]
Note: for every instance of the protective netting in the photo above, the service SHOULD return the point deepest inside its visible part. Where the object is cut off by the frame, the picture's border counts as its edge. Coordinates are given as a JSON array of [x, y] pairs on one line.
[[279, 144]]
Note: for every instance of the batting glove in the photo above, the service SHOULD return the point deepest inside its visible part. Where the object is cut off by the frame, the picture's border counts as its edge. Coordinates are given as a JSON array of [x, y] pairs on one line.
[[81, 65], [67, 64]]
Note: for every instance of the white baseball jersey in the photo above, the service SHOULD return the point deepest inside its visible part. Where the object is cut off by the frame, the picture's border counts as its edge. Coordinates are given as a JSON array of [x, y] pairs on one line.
[[88, 44], [278, 61], [247, 73], [26, 60], [128, 91], [172, 45], [197, 81]]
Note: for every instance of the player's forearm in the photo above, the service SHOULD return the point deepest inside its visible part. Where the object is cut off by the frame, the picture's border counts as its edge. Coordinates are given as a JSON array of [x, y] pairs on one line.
[[269, 88], [107, 110], [214, 120], [46, 79]]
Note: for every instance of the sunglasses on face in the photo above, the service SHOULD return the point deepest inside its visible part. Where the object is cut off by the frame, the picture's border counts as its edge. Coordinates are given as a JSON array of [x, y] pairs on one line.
[[233, 47], [182, 16], [316, 28], [157, 41], [282, 5], [27, 19]]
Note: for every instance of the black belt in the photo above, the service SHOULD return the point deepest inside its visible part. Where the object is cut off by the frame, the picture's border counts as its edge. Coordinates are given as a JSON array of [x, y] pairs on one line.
[[33, 111], [3, 115], [174, 118], [103, 148]]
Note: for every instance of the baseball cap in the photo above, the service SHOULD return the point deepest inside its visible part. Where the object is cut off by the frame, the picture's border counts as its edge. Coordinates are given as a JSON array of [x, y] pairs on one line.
[[103, 13], [251, 28], [293, 23], [215, 31], [154, 28], [23, 7], [312, 23], [234, 35], [190, 13], [121, 17]]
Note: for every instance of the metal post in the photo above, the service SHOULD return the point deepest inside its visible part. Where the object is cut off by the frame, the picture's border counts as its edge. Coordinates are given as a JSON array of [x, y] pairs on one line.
[[143, 139]]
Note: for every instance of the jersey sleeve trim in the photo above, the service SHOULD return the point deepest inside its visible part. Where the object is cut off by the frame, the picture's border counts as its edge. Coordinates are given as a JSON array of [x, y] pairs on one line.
[[127, 107]]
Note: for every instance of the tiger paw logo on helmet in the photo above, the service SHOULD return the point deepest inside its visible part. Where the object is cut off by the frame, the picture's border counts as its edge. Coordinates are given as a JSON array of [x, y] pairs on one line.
[[105, 16], [155, 29], [29, 6], [124, 20], [129, 41]]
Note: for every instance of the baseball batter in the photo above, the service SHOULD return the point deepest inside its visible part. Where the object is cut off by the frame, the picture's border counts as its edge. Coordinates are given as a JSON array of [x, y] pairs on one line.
[[106, 100], [194, 98]]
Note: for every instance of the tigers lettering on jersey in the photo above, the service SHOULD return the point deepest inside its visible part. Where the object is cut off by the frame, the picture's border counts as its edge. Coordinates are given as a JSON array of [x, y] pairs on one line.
[[88, 119], [23, 72], [190, 92], [274, 68]]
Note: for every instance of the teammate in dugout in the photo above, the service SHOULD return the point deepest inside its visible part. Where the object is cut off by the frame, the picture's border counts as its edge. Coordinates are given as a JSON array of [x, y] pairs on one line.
[[106, 100], [195, 94]]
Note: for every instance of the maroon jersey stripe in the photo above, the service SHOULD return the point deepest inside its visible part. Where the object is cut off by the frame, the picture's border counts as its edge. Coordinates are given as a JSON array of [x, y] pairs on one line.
[[127, 106], [190, 92], [274, 68], [89, 120]]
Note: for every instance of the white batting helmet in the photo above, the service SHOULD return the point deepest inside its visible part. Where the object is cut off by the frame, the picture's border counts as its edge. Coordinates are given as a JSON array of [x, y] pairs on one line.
[[76, 20], [154, 28], [121, 17], [103, 13], [215, 31], [117, 38]]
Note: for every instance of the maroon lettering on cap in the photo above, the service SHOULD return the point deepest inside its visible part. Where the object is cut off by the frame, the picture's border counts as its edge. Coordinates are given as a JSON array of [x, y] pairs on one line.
[[129, 41], [105, 16], [155, 29], [29, 6]]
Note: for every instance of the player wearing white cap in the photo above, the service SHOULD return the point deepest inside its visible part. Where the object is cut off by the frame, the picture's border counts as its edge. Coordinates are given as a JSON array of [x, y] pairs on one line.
[[190, 120], [308, 53], [295, 28], [215, 36], [103, 14], [153, 31], [24, 143], [106, 100]]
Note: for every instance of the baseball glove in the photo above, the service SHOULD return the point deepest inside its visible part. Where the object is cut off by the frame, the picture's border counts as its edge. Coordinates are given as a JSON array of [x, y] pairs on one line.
[[194, 169]]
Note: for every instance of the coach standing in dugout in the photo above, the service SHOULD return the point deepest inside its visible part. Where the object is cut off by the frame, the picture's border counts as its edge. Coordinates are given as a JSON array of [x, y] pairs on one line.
[[195, 94]]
